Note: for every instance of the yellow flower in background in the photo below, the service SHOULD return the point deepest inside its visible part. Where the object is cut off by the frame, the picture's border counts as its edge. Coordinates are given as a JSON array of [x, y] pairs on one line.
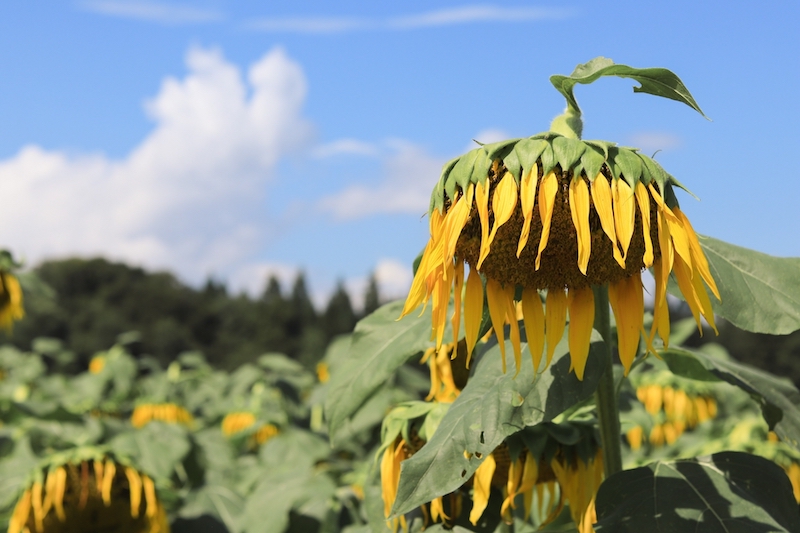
[[323, 372], [525, 217], [236, 422], [165, 412], [97, 364], [265, 432], [682, 410], [11, 308], [99, 495]]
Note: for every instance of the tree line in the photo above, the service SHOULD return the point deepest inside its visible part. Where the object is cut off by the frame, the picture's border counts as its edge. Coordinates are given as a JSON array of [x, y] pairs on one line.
[[88, 303]]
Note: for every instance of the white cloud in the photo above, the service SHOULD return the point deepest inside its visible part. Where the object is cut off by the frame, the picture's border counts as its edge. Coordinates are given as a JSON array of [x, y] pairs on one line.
[[409, 174], [152, 11], [308, 24], [346, 147], [188, 197], [652, 141], [470, 14], [394, 278], [487, 136], [429, 19]]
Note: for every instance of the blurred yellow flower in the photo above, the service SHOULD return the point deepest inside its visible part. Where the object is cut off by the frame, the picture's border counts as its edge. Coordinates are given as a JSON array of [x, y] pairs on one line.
[[11, 308], [165, 412]]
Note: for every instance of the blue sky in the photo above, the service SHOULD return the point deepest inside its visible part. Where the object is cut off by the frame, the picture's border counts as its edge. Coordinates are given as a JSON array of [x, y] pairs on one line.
[[238, 139]]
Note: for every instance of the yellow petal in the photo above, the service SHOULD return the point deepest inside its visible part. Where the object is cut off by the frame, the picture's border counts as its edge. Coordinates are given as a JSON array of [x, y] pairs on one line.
[[482, 204], [149, 496], [455, 221], [643, 199], [458, 285], [698, 257], [60, 489], [634, 436], [135, 486], [36, 501], [416, 293], [533, 315], [530, 472], [660, 308], [473, 310], [527, 198], [680, 240], [579, 208], [441, 298], [547, 199], [108, 476], [437, 510], [388, 486], [497, 312], [627, 302], [504, 202], [581, 320], [683, 274], [482, 488], [624, 213], [702, 297], [21, 511], [555, 320], [511, 316], [601, 195]]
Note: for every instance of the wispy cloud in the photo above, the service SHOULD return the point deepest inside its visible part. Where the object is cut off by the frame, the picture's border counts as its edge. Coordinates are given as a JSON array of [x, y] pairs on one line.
[[652, 141], [345, 147], [429, 19], [152, 11]]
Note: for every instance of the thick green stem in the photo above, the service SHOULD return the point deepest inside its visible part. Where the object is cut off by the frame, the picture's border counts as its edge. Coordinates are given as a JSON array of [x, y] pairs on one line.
[[605, 396], [569, 124]]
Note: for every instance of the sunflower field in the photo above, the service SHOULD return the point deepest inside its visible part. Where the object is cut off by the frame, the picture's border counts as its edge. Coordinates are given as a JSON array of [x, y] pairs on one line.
[[539, 390]]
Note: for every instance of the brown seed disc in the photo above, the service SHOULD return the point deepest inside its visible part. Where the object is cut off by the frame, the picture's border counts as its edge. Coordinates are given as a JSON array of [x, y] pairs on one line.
[[559, 263]]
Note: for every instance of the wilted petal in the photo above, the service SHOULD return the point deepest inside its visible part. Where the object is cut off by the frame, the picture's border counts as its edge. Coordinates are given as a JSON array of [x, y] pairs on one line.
[[533, 315], [547, 199], [581, 320], [555, 320]]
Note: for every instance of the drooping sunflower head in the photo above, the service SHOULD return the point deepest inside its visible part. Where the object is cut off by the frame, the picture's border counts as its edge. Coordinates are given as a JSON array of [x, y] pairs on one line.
[[11, 309], [89, 494], [558, 214], [165, 412]]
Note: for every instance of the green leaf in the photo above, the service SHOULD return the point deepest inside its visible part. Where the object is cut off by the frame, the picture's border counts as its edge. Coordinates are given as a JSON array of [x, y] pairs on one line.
[[218, 501], [779, 399], [14, 471], [567, 151], [491, 407], [760, 293], [156, 449], [728, 492], [381, 344], [655, 81], [267, 507]]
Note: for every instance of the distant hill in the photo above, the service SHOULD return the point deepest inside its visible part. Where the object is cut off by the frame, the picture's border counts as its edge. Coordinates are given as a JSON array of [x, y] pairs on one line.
[[94, 300]]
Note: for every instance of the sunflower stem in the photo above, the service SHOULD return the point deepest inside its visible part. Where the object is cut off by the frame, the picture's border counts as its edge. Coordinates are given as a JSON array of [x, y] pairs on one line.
[[569, 123], [605, 395]]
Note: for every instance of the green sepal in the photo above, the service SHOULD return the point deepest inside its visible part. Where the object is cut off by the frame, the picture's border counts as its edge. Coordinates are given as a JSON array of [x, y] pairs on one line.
[[461, 172], [480, 169], [437, 197], [529, 150], [601, 145], [628, 164], [656, 81], [567, 152], [592, 161], [548, 159], [499, 150], [513, 165]]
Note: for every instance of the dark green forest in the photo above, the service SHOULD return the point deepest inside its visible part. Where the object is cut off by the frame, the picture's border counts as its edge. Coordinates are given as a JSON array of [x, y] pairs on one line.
[[89, 303]]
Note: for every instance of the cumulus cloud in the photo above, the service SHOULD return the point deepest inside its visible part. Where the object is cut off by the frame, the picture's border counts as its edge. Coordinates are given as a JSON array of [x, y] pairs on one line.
[[428, 19], [151, 11], [408, 175], [188, 196], [345, 147]]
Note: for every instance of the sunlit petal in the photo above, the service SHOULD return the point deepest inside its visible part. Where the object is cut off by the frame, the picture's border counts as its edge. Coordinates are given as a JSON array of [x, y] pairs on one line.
[[555, 320], [624, 213], [527, 198], [495, 297], [547, 199], [533, 315], [643, 199], [601, 195], [627, 302], [581, 320], [473, 310], [504, 202], [482, 486], [579, 209]]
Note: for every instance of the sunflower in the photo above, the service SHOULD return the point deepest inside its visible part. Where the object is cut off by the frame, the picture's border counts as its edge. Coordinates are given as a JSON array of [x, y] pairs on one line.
[[561, 215], [143, 414], [10, 301], [89, 495]]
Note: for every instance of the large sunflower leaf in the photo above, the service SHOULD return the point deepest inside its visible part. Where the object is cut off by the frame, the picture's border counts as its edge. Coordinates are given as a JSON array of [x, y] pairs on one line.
[[760, 293], [380, 345], [728, 492], [491, 407], [779, 398], [656, 81]]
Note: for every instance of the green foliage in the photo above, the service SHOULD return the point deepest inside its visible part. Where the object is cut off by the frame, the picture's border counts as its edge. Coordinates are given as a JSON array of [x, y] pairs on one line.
[[657, 81], [760, 293], [725, 492]]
